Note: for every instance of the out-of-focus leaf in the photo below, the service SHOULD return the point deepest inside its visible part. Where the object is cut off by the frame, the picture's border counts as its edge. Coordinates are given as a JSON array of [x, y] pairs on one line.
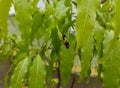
[[19, 73], [38, 20], [66, 58], [4, 14], [61, 9], [67, 2], [34, 5], [24, 10], [86, 16], [116, 19], [16, 61], [111, 71], [99, 36], [37, 73], [107, 45], [98, 46], [86, 56], [55, 41]]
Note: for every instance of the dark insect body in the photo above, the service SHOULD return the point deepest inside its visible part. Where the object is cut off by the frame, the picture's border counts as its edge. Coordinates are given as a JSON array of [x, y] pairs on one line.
[[65, 41]]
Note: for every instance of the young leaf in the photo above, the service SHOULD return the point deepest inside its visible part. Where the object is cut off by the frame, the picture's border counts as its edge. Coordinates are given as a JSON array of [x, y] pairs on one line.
[[4, 14], [19, 73], [86, 16], [37, 73], [23, 10]]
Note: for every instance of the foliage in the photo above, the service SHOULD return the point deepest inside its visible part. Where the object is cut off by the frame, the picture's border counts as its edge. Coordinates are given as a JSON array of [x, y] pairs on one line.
[[55, 39]]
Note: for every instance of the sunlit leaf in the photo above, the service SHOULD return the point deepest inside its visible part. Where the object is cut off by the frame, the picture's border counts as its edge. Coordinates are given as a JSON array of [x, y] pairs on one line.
[[19, 73], [4, 14], [86, 16], [23, 10]]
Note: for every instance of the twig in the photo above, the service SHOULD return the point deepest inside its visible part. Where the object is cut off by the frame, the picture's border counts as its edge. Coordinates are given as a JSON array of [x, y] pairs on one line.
[[73, 80], [58, 75]]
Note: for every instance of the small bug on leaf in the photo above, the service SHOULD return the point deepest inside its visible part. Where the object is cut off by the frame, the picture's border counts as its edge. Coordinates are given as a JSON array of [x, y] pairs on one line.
[[65, 41]]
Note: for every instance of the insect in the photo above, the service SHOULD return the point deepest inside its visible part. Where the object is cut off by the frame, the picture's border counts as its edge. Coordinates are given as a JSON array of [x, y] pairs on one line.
[[65, 41]]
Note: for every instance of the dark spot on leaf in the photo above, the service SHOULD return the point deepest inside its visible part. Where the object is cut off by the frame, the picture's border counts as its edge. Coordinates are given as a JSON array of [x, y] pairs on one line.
[[43, 15], [28, 0], [66, 43], [89, 16], [117, 37]]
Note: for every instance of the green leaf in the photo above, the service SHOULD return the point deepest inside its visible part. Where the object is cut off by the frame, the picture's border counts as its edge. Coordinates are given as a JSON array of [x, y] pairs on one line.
[[35, 5], [111, 59], [108, 36], [108, 44], [24, 10], [61, 9], [38, 20], [99, 36], [55, 41], [16, 61], [4, 14], [111, 71], [86, 16], [86, 56], [66, 58], [98, 48], [67, 3], [116, 19], [37, 73], [19, 73]]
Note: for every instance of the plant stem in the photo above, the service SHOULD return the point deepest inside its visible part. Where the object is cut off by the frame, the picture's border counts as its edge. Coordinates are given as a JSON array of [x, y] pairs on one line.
[[58, 75], [73, 80]]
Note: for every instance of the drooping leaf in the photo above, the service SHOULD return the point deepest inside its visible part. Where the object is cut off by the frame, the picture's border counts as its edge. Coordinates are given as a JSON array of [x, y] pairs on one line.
[[116, 32], [99, 36], [98, 46], [55, 41], [37, 73], [19, 73], [86, 16], [24, 10], [111, 71], [86, 56], [4, 14], [116, 19], [38, 20], [67, 3], [16, 61], [35, 5], [61, 9], [111, 60], [66, 58]]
